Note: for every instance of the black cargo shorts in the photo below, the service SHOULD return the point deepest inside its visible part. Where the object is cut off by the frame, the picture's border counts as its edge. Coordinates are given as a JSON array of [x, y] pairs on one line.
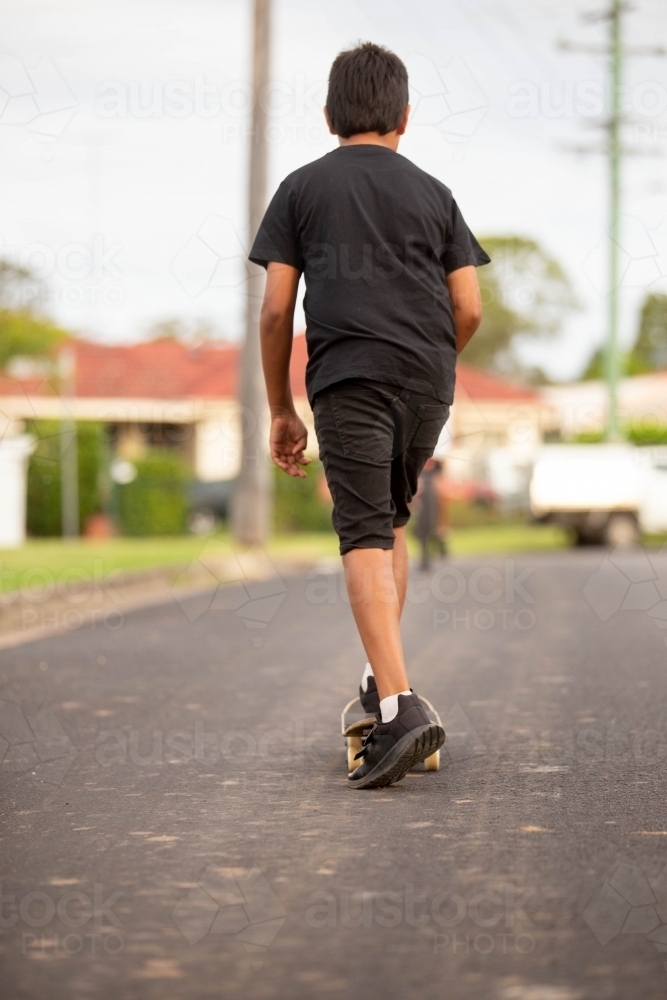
[[374, 440]]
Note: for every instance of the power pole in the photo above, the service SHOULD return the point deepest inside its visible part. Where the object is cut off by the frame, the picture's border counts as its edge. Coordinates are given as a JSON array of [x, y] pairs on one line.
[[69, 460], [251, 502], [615, 152], [611, 356]]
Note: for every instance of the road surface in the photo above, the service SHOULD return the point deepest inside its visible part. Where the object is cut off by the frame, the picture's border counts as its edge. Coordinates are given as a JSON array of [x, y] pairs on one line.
[[177, 826]]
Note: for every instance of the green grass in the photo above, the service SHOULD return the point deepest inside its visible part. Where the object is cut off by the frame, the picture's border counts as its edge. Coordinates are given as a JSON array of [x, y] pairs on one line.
[[506, 538], [42, 560], [654, 541]]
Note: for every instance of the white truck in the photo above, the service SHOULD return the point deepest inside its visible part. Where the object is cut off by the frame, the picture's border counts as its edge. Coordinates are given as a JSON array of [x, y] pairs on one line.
[[607, 493]]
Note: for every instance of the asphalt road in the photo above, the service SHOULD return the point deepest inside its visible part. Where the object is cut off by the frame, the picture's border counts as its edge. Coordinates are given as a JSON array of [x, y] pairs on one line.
[[176, 822]]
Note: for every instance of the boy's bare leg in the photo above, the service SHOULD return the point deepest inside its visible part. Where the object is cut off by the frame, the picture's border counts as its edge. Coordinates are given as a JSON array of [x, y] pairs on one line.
[[399, 565], [376, 583]]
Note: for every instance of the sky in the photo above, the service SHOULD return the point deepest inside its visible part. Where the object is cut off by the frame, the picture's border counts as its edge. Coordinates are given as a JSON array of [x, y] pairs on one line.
[[125, 130]]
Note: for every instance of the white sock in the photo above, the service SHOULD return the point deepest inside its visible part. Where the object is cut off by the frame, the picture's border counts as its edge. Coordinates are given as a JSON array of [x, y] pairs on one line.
[[389, 706], [368, 672]]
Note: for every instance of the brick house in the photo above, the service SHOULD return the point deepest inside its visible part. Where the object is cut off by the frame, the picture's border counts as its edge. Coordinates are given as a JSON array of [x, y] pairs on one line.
[[174, 395]]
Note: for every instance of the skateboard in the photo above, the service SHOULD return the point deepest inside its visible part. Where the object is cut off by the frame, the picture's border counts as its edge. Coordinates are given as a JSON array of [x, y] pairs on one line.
[[355, 724]]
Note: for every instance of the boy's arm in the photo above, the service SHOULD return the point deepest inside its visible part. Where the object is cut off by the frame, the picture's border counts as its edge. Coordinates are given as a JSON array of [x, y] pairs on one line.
[[288, 436], [466, 303]]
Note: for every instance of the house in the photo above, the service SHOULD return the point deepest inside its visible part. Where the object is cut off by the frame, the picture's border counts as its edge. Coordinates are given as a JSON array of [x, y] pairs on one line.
[[491, 414], [581, 407], [170, 394]]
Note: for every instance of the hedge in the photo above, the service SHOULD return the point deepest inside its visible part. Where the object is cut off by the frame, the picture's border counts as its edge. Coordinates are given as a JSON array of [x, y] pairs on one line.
[[44, 474], [155, 503], [297, 506]]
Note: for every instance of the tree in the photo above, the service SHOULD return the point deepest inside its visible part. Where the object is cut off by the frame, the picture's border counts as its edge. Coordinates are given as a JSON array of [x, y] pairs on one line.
[[525, 294], [22, 330], [20, 288], [22, 333], [595, 367], [191, 332], [649, 353]]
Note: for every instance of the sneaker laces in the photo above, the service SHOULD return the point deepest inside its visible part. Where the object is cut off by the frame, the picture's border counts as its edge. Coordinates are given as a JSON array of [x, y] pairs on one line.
[[367, 740]]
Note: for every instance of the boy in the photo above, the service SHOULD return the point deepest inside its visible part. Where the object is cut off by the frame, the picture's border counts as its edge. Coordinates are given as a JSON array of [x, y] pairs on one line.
[[391, 296]]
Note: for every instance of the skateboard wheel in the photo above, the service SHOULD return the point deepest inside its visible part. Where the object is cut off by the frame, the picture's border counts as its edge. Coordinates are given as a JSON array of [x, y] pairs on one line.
[[353, 748], [432, 763]]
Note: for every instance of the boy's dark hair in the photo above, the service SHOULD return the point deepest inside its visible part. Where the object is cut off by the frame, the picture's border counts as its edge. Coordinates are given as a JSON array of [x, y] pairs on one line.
[[368, 91]]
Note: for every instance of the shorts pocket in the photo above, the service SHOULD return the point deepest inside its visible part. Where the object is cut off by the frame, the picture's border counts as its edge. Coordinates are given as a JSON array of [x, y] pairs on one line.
[[429, 421], [365, 425]]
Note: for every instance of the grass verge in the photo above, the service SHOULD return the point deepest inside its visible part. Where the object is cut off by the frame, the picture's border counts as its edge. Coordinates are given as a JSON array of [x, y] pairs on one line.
[[44, 562]]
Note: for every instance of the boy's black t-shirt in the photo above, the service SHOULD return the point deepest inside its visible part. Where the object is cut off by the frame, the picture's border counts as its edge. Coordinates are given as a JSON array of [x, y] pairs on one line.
[[374, 236]]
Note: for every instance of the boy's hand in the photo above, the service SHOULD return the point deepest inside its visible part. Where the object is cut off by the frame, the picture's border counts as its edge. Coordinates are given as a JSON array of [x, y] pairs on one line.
[[288, 439]]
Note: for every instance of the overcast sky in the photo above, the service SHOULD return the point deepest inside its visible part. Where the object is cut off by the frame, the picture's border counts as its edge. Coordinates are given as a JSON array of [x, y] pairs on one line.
[[123, 144]]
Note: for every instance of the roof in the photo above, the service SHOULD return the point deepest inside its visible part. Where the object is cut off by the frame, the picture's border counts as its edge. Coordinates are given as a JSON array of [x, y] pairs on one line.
[[480, 385], [167, 369], [158, 369]]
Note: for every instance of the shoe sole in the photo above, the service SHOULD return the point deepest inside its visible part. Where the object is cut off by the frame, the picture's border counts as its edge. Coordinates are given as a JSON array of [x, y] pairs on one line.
[[411, 749]]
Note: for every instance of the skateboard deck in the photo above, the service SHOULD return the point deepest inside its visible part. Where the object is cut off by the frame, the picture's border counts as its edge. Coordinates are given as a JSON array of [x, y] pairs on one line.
[[355, 724]]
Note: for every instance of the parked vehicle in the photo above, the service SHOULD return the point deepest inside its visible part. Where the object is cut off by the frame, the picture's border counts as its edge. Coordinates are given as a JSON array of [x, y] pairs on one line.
[[209, 504], [608, 493]]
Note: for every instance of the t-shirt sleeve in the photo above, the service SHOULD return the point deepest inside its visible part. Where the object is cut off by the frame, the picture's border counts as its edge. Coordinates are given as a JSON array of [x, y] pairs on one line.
[[277, 238], [461, 248]]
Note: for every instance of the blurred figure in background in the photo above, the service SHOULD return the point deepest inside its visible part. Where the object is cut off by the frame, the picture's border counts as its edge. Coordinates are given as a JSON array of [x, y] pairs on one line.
[[432, 521]]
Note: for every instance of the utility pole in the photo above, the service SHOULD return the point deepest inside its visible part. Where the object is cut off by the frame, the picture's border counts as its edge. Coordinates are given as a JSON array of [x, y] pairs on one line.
[[251, 502], [69, 461], [615, 152], [611, 355]]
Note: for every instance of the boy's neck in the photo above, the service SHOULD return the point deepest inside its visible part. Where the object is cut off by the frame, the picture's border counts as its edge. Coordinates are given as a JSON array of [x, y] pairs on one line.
[[389, 140]]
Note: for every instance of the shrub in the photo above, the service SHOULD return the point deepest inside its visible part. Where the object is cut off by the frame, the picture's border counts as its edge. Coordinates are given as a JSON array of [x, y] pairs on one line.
[[297, 503], [155, 503], [636, 433], [44, 514], [652, 435]]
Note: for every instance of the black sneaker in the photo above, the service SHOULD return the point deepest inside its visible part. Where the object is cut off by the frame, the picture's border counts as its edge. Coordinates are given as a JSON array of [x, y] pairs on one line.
[[370, 699], [392, 748]]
